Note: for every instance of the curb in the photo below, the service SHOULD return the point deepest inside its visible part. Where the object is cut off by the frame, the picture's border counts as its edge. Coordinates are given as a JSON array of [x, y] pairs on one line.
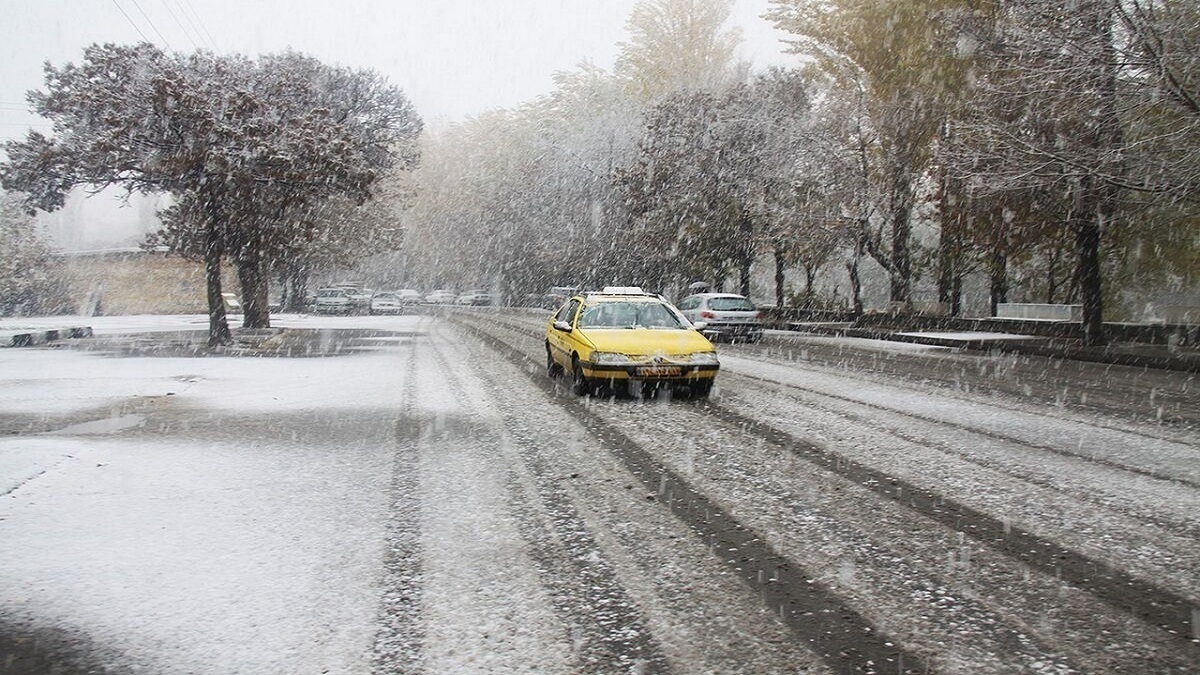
[[41, 337]]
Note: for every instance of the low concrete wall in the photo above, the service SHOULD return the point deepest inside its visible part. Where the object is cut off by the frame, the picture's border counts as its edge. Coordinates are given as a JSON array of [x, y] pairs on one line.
[[1030, 311], [140, 282], [1181, 315], [34, 338]]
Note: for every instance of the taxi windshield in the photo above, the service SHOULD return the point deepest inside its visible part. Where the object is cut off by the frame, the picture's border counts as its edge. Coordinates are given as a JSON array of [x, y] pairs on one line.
[[629, 315]]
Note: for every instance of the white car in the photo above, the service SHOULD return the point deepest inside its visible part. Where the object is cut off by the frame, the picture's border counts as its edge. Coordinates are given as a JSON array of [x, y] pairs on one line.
[[332, 301], [360, 299], [386, 302], [724, 316], [477, 297], [410, 296], [442, 297]]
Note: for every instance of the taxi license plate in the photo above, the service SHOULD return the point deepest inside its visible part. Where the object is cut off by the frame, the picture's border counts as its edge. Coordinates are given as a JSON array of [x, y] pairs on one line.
[[659, 371]]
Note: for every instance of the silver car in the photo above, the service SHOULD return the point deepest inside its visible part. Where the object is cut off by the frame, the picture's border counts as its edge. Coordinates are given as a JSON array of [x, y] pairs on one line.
[[724, 316]]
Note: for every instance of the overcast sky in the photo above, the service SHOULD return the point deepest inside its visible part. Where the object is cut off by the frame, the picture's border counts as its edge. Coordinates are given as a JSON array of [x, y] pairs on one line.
[[453, 58]]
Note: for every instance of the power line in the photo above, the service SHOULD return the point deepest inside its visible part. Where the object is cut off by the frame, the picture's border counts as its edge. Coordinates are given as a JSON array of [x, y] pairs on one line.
[[187, 4], [186, 32], [131, 23], [152, 26]]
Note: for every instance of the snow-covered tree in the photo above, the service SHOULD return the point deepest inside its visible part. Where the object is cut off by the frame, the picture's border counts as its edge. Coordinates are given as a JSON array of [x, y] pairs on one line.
[[695, 192], [243, 146], [677, 45], [899, 57], [1048, 116], [33, 280]]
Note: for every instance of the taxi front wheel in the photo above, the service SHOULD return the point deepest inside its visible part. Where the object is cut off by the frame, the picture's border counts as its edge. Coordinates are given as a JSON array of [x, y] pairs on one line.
[[552, 368], [580, 386]]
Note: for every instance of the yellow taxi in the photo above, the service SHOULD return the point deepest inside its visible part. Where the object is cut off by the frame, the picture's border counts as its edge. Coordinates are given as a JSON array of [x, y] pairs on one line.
[[623, 335]]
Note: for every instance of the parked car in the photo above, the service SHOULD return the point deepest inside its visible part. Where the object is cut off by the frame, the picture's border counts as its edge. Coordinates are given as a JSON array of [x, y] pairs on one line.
[[441, 296], [724, 316], [557, 295], [410, 297], [477, 297], [624, 335], [360, 299], [386, 302], [332, 300]]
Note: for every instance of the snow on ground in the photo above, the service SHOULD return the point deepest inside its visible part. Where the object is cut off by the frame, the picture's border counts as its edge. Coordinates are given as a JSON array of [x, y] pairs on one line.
[[155, 323], [1033, 425], [972, 335], [857, 343], [250, 543], [182, 516], [226, 514]]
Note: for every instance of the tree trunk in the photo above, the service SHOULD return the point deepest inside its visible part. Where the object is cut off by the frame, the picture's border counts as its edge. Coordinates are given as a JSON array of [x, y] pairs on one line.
[[1052, 274], [901, 277], [949, 280], [998, 278], [1087, 238], [747, 257], [779, 280], [855, 287], [255, 310], [297, 283], [218, 325], [852, 270]]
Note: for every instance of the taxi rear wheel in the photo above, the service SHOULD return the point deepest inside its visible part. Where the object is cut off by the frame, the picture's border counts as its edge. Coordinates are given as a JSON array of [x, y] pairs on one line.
[[701, 389], [552, 368]]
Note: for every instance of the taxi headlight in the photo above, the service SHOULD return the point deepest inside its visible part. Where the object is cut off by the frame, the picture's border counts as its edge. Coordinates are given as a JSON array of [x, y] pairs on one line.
[[609, 358], [705, 358]]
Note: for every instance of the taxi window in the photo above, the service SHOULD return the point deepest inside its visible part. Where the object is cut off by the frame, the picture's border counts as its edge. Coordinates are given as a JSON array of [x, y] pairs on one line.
[[567, 313], [628, 315]]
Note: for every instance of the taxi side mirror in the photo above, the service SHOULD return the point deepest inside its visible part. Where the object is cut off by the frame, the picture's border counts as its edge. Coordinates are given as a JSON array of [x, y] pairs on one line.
[[563, 326]]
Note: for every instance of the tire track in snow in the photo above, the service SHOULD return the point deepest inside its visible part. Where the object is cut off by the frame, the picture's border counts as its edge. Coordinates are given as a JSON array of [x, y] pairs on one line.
[[1179, 525], [399, 636], [989, 433], [605, 631], [1164, 609], [842, 637], [1168, 611], [699, 614]]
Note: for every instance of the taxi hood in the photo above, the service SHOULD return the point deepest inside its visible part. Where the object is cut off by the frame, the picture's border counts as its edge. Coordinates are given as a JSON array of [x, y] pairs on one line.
[[647, 341]]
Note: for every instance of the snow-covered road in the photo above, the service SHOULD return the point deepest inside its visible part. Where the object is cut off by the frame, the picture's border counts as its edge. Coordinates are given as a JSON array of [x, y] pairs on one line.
[[429, 501]]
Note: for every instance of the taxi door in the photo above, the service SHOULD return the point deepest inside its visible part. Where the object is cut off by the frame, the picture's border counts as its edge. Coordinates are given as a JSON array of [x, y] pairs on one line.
[[560, 341]]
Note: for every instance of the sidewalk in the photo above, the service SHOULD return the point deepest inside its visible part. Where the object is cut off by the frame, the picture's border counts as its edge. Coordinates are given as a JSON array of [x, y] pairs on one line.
[[27, 332], [1139, 355], [291, 335]]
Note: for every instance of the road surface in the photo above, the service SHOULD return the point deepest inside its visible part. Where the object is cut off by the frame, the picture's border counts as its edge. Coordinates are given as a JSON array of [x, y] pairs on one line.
[[834, 507]]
